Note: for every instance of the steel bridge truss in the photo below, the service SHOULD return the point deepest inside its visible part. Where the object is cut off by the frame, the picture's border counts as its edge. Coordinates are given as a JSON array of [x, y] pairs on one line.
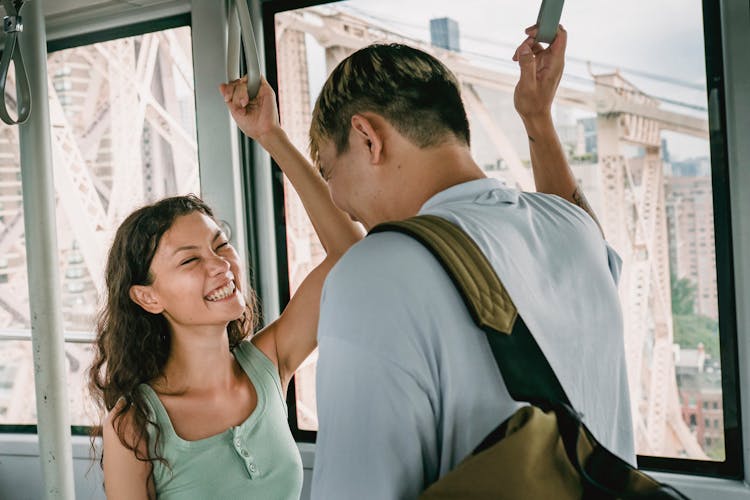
[[633, 215]]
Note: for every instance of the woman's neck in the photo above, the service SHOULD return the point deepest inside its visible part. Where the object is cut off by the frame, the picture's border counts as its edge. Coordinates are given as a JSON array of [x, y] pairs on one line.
[[199, 361]]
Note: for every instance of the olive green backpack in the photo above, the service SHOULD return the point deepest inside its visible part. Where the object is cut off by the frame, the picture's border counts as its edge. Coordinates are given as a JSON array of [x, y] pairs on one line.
[[543, 450]]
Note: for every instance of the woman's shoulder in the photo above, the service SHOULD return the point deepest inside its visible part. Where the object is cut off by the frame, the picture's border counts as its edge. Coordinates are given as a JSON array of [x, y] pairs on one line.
[[121, 414], [262, 341], [261, 349], [252, 356], [123, 445], [119, 429]]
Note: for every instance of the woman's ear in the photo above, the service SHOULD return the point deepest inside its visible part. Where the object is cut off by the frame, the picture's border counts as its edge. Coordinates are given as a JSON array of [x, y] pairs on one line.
[[365, 131], [144, 296]]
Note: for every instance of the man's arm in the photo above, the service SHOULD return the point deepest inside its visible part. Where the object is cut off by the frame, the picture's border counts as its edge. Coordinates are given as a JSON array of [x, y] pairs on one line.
[[377, 436], [541, 71]]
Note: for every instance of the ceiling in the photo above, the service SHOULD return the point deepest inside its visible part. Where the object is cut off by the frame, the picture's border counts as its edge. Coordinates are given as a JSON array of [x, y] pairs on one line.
[[65, 17], [63, 8]]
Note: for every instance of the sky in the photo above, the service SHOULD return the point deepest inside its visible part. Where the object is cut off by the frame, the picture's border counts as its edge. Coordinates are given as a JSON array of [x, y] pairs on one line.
[[653, 43], [664, 36]]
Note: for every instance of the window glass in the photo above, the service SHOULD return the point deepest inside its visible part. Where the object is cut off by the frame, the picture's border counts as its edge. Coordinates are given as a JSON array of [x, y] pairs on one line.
[[633, 122], [17, 401], [122, 118], [17, 394]]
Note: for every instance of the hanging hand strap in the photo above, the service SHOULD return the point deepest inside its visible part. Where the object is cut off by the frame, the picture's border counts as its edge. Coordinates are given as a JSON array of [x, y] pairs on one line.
[[241, 28], [12, 26]]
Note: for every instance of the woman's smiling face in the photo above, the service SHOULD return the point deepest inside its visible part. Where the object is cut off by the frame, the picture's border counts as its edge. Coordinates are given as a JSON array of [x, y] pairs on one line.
[[196, 274]]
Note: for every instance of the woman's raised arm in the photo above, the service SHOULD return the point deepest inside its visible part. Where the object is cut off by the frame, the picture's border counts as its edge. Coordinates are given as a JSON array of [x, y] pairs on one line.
[[292, 337]]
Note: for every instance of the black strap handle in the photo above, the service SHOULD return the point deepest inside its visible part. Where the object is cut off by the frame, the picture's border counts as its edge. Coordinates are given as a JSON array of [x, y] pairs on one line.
[[241, 30], [12, 26]]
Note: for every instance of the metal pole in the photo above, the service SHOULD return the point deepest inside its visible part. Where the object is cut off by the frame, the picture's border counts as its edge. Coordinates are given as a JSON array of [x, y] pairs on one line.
[[222, 188], [263, 191], [53, 420]]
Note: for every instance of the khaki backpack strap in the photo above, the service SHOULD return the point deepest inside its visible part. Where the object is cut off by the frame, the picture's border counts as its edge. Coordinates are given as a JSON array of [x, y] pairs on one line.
[[485, 296]]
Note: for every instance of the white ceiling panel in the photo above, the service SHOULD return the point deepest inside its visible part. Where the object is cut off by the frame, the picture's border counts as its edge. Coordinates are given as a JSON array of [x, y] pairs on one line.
[[65, 7], [87, 9]]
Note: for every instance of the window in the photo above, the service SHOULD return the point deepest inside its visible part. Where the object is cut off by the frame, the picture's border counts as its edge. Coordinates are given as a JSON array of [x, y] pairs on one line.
[[650, 180], [123, 134]]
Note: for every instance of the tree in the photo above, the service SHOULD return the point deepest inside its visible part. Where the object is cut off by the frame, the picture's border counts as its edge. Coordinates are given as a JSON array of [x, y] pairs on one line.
[[683, 296], [692, 329]]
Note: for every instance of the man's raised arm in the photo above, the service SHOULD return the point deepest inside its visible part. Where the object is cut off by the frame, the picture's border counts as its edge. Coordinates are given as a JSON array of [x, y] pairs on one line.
[[541, 71]]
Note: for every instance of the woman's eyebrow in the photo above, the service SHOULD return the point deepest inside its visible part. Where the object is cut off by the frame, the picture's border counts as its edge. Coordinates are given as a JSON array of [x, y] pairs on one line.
[[193, 247], [186, 247]]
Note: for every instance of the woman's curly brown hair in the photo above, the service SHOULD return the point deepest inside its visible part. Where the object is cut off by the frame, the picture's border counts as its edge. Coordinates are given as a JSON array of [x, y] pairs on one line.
[[132, 345]]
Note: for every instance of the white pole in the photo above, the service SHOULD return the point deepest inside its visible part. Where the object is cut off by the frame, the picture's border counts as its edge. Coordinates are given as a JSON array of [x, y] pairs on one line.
[[53, 420]]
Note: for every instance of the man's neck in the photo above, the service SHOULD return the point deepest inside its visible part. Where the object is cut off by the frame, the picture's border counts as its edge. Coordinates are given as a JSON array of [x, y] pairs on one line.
[[433, 170]]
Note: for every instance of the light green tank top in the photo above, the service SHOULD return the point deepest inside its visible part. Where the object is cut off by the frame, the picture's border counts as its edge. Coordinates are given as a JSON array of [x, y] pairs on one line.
[[258, 459]]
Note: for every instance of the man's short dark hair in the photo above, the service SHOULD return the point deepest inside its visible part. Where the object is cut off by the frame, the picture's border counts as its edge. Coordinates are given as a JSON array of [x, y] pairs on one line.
[[414, 91]]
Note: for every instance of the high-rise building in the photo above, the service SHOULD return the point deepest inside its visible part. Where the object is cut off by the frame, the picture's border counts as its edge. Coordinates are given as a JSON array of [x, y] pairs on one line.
[[444, 33], [693, 167], [690, 222]]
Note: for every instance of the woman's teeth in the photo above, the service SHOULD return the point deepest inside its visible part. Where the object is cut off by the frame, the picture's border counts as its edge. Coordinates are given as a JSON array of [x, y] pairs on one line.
[[221, 293]]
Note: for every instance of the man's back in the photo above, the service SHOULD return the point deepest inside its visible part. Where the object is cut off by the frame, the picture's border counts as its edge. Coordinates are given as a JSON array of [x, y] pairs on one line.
[[407, 386]]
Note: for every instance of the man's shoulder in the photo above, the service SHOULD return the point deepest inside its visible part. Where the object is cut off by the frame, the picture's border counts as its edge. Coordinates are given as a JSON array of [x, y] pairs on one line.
[[387, 254], [375, 297]]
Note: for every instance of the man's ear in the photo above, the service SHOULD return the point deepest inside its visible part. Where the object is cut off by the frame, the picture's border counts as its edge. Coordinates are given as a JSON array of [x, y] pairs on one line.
[[145, 297], [363, 130]]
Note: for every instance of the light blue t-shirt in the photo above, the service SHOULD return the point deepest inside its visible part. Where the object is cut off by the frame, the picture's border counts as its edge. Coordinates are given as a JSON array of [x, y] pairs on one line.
[[407, 386]]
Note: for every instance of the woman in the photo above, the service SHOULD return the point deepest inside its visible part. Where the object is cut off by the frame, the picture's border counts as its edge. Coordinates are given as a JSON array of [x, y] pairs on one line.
[[195, 409]]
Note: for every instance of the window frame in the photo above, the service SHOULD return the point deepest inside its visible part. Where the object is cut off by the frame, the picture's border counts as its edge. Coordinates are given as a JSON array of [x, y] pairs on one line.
[[269, 9], [126, 29], [244, 209], [117, 32], [733, 465]]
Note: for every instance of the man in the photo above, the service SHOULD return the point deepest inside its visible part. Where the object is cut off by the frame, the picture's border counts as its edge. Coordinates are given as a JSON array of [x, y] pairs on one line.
[[407, 385]]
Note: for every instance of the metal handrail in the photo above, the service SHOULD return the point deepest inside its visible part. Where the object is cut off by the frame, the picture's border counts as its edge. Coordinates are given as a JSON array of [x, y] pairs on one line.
[[73, 337]]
